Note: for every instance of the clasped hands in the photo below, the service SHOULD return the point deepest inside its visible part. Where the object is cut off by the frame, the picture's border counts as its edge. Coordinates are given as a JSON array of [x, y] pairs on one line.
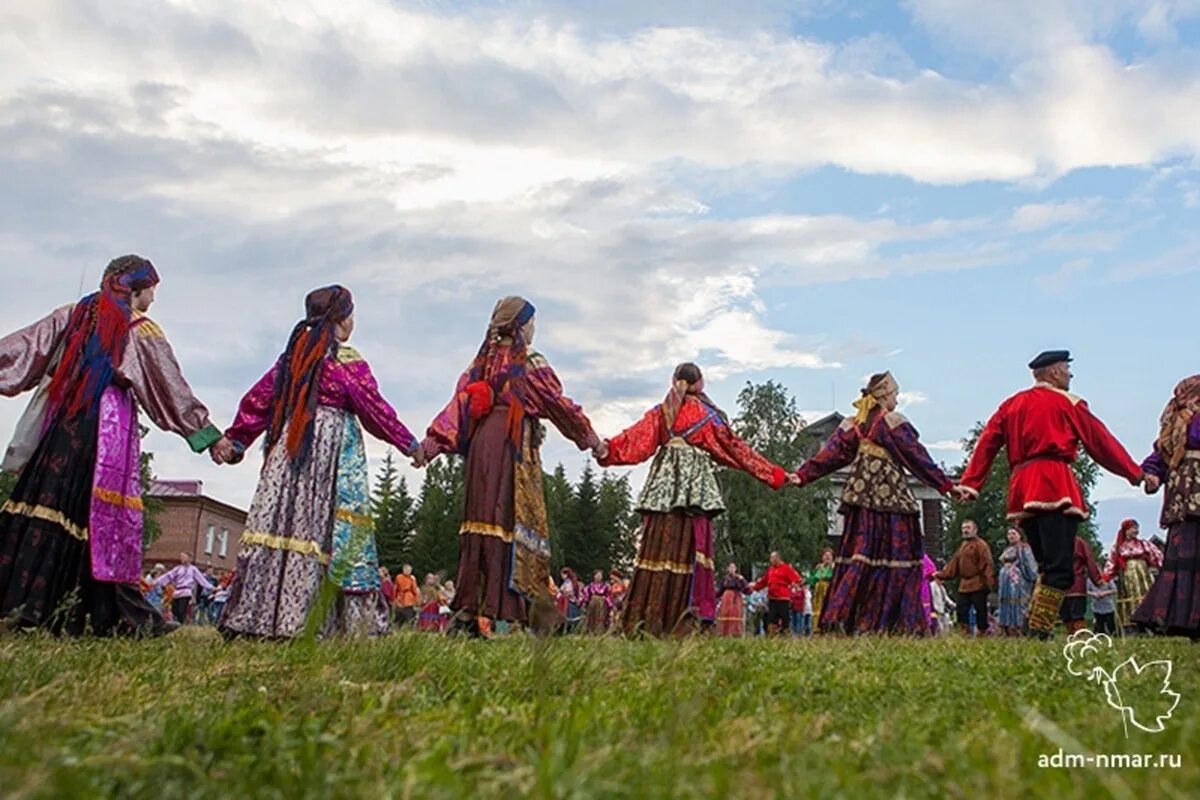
[[226, 452]]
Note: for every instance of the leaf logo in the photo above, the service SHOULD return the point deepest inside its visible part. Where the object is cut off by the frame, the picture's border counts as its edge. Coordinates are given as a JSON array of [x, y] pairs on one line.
[[1151, 719], [1088, 655]]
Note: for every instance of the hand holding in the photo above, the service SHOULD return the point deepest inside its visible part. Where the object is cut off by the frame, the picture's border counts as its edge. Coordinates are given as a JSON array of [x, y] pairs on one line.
[[600, 451], [222, 452], [960, 493], [419, 459], [1152, 484], [794, 480]]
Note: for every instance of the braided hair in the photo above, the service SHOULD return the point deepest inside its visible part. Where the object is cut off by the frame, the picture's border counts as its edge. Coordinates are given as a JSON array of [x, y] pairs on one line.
[[297, 382]]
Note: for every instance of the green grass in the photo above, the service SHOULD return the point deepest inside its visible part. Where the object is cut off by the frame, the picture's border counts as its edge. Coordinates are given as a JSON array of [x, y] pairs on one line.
[[425, 717]]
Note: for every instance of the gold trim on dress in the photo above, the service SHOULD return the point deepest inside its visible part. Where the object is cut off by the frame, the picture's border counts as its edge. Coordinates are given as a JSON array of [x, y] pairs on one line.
[[118, 499], [354, 518], [304, 547], [46, 515], [871, 562], [704, 560], [485, 529], [870, 448], [664, 566]]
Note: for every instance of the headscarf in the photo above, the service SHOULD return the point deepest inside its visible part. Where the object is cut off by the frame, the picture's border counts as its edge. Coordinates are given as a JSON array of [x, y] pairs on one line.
[[878, 388], [1122, 537], [686, 380], [1176, 417], [490, 373], [96, 336], [297, 381]]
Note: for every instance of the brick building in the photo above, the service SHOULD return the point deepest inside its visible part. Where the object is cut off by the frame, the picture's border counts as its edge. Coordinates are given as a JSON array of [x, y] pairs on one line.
[[195, 523], [929, 500]]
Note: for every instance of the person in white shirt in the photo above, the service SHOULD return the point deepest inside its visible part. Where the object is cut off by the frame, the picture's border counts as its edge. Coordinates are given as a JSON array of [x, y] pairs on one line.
[[184, 578]]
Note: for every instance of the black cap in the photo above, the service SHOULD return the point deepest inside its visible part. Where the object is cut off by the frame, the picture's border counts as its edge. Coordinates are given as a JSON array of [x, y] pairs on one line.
[[1050, 357]]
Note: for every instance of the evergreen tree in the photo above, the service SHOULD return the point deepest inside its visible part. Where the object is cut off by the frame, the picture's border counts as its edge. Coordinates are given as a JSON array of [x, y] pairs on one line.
[[585, 544], [619, 521], [559, 496], [392, 511], [434, 544]]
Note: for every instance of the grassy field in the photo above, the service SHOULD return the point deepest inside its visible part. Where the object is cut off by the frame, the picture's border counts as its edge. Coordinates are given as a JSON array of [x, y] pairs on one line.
[[425, 717]]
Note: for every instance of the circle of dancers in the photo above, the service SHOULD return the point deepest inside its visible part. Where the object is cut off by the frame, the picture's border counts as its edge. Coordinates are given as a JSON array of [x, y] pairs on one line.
[[71, 531]]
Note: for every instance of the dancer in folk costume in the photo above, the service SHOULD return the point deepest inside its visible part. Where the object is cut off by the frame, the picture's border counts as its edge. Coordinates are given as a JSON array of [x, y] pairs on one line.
[[1018, 574], [731, 603], [1173, 604], [819, 578], [71, 533], [309, 519], [1041, 430], [504, 544], [1073, 612], [432, 601], [879, 575], [673, 585], [1135, 563], [598, 602], [972, 565]]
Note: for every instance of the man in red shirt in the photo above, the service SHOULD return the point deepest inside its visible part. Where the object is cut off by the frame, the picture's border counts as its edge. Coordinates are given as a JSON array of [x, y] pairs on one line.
[[1041, 428], [778, 581]]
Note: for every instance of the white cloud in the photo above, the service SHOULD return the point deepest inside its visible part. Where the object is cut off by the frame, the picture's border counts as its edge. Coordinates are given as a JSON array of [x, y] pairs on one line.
[[948, 445], [1063, 278], [1036, 216]]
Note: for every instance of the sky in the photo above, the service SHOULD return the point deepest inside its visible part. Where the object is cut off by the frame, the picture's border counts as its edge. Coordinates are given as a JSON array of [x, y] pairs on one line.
[[808, 192]]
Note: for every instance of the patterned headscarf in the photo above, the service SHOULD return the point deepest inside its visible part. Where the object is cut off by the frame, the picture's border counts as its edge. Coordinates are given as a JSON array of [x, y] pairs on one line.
[[879, 387], [1176, 417], [96, 336], [492, 371], [297, 383], [687, 379], [1122, 537]]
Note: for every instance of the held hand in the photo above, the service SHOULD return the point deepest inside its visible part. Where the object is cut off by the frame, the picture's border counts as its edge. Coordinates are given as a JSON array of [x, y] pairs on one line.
[[794, 480], [222, 452], [419, 459], [960, 493], [600, 451], [1152, 484]]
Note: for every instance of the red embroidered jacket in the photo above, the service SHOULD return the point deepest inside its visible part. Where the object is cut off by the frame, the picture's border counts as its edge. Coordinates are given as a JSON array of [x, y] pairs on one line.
[[778, 580], [642, 439], [1041, 429]]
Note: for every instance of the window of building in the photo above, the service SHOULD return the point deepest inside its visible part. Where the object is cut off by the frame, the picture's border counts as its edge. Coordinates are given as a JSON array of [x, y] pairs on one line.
[[224, 542], [208, 540]]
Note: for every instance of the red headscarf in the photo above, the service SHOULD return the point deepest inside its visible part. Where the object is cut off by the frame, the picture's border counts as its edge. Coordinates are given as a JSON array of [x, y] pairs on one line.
[[1122, 537]]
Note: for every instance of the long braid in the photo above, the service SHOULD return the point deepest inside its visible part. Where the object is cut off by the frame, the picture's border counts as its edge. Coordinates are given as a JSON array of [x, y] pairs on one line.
[[300, 368]]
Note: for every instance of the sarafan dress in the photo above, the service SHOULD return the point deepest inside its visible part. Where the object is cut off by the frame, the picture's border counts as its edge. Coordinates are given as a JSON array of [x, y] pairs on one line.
[[877, 580], [673, 584], [1173, 603], [504, 538], [71, 533], [311, 521]]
